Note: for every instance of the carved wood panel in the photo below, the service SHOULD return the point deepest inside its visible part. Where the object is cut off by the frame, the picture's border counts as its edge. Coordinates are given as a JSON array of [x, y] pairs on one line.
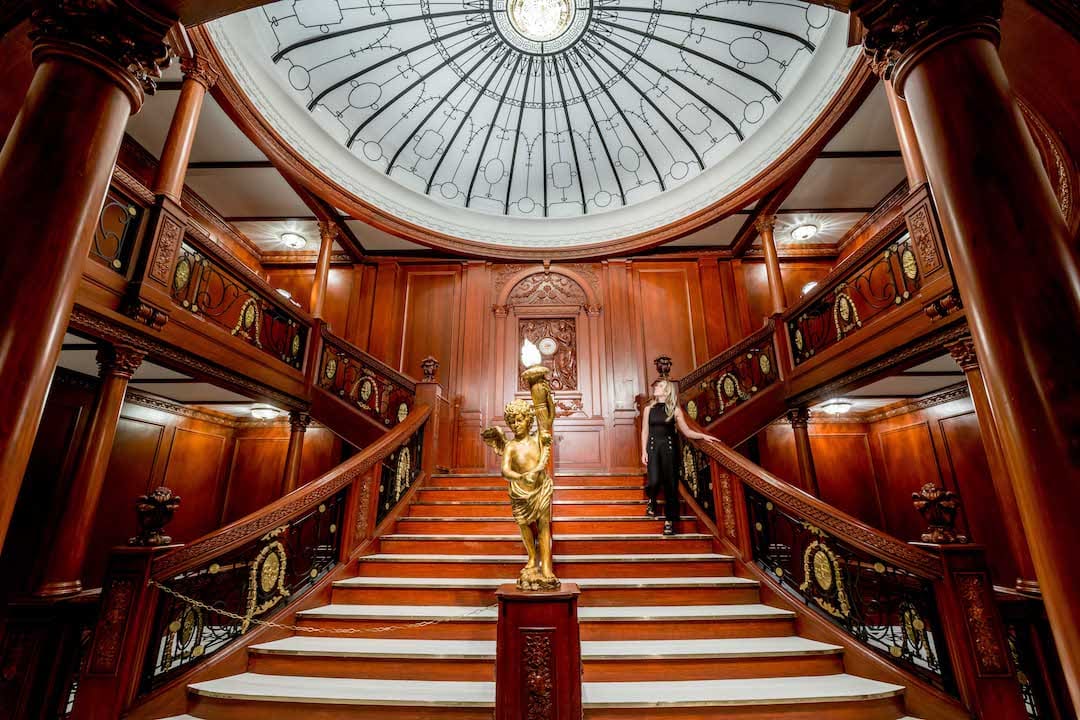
[[557, 340]]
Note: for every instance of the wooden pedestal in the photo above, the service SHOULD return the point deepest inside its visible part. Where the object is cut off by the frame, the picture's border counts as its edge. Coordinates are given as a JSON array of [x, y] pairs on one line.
[[538, 665]]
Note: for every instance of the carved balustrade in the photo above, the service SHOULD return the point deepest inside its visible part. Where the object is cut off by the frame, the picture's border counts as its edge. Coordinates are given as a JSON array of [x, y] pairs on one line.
[[165, 611], [364, 382], [731, 378], [244, 307], [697, 478], [927, 610], [116, 232]]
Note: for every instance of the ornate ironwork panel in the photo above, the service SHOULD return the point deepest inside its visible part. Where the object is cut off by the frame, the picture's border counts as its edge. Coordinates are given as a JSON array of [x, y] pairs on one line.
[[886, 280], [206, 289], [362, 382], [890, 610], [202, 609], [697, 477], [114, 236], [398, 473], [731, 380]]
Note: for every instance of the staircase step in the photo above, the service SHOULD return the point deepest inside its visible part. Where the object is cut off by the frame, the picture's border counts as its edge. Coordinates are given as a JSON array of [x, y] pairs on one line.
[[459, 660], [571, 544], [837, 697], [596, 591], [501, 508], [562, 492], [680, 622], [708, 659], [497, 525], [434, 622], [474, 480], [288, 697], [567, 567]]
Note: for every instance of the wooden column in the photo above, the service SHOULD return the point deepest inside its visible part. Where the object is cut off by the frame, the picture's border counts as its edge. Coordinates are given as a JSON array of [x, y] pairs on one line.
[[55, 168], [199, 76], [905, 134], [1016, 272], [765, 225], [800, 419], [67, 549], [322, 268], [298, 423], [963, 352]]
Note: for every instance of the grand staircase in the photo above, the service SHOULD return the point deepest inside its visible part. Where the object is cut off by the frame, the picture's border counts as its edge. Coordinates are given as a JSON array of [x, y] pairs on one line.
[[668, 629]]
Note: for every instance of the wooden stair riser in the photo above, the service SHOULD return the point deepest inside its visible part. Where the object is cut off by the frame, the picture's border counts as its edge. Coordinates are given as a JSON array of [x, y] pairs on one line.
[[564, 526], [509, 570], [560, 481], [219, 709], [660, 669], [438, 546], [694, 629], [460, 629], [880, 709], [592, 597], [500, 494], [375, 668], [571, 509]]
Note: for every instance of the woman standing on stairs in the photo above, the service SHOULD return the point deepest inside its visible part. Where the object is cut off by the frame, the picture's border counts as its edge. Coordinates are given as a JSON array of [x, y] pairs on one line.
[[659, 421]]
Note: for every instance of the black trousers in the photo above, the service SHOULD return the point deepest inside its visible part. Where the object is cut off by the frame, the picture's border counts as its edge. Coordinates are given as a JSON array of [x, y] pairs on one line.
[[663, 475]]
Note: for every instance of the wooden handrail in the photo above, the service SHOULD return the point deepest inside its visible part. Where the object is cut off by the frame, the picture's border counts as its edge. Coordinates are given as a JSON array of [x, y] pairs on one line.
[[348, 348], [836, 522], [701, 371], [290, 506]]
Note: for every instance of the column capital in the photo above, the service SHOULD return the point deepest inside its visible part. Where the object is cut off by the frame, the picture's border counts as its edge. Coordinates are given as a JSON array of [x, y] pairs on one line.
[[199, 69], [327, 231], [963, 352], [121, 38], [798, 417], [765, 223], [899, 34], [299, 420], [119, 360]]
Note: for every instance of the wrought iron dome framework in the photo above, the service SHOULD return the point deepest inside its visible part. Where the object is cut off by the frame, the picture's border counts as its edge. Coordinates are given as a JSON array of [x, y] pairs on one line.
[[618, 101]]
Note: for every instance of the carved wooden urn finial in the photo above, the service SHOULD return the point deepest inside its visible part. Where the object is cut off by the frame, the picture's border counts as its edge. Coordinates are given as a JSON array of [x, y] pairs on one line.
[[155, 510], [938, 507], [429, 366], [663, 367]]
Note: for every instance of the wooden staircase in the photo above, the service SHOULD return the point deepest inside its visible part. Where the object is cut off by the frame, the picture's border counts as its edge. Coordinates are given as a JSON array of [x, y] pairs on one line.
[[668, 629]]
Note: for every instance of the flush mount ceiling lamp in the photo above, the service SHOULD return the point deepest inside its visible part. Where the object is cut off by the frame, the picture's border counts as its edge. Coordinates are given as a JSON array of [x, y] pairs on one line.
[[284, 293], [541, 20], [836, 406], [262, 411], [804, 232], [293, 241], [805, 288]]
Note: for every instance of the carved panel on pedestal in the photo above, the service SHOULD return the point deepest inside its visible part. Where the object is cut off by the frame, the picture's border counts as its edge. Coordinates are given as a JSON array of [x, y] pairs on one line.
[[538, 670], [557, 340]]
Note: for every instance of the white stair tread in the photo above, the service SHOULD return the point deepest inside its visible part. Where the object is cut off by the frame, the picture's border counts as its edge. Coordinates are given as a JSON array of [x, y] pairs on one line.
[[680, 612], [590, 650], [426, 558], [561, 536], [401, 612], [706, 648], [510, 518], [757, 691], [378, 647], [348, 691], [585, 583]]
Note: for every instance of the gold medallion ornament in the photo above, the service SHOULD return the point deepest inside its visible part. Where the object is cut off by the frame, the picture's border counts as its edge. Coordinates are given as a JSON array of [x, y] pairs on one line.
[[402, 412], [907, 262], [331, 368], [823, 571], [403, 473], [268, 575], [294, 349], [266, 578], [845, 316], [764, 363], [182, 273], [366, 388], [248, 322], [823, 579], [799, 340], [690, 470], [691, 410]]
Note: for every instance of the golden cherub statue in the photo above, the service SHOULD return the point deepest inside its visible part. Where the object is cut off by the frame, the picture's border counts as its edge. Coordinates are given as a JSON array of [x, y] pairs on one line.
[[525, 467]]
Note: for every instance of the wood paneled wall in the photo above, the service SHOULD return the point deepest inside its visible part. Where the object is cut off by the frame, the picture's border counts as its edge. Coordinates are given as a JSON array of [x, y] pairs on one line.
[[871, 469]]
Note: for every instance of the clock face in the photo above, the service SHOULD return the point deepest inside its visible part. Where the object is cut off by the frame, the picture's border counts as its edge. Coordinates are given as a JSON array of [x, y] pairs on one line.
[[548, 346]]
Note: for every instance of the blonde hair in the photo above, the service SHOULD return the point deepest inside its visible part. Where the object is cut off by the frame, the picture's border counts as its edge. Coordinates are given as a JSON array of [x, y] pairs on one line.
[[670, 397]]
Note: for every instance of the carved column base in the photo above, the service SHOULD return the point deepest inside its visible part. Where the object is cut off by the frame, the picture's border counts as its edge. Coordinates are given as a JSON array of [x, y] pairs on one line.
[[538, 672]]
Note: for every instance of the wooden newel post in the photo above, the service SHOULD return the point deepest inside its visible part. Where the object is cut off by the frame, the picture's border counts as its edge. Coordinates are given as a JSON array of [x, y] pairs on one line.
[[538, 665], [117, 654], [974, 634], [430, 392]]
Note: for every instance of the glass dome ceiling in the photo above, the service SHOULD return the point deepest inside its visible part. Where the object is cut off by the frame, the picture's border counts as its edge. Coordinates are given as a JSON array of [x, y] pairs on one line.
[[473, 117]]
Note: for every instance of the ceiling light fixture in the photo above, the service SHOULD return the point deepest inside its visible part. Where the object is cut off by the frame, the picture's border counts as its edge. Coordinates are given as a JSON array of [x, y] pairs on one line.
[[804, 232], [541, 20], [288, 295], [293, 240], [262, 411], [805, 288], [836, 406]]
